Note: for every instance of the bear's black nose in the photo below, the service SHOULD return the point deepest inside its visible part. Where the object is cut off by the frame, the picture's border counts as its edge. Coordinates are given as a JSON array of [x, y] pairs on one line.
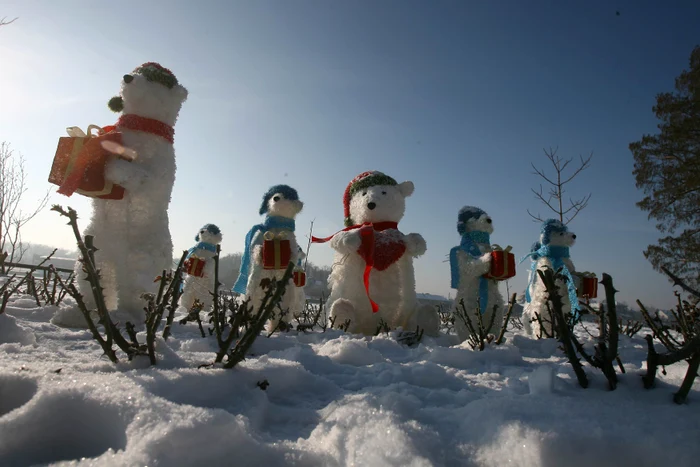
[[574, 237], [371, 205], [128, 79]]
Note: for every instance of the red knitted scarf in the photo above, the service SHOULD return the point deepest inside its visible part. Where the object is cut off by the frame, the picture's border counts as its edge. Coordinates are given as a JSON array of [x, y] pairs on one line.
[[147, 125]]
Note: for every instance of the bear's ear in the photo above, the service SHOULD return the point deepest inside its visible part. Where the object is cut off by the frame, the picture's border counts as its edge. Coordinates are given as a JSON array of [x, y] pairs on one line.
[[406, 189], [116, 104], [181, 92]]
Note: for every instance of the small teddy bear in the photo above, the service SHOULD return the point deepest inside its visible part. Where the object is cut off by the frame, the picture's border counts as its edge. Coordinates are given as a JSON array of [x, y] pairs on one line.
[[199, 265], [469, 263], [372, 278], [260, 264], [552, 251]]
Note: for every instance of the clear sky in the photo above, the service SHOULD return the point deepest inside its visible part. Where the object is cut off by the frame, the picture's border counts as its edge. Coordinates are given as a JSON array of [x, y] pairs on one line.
[[457, 96]]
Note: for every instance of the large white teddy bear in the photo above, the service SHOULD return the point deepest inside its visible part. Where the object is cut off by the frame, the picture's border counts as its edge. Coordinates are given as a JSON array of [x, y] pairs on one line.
[[280, 205], [468, 263], [201, 287], [372, 277], [132, 234], [551, 251]]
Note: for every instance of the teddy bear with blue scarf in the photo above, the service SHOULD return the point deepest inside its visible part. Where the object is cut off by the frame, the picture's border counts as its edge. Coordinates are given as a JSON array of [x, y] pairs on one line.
[[280, 205], [551, 251], [469, 262], [200, 285]]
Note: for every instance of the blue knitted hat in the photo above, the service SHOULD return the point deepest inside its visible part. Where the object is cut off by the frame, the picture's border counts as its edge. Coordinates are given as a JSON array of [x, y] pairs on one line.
[[287, 191], [466, 214], [211, 228], [551, 226]]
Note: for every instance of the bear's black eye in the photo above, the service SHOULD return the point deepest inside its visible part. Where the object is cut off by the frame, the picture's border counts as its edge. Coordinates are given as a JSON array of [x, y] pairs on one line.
[[383, 192], [364, 193], [276, 198], [128, 79], [489, 220]]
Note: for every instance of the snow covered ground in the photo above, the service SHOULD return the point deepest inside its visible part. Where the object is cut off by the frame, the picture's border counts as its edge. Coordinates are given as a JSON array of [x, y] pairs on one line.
[[333, 399]]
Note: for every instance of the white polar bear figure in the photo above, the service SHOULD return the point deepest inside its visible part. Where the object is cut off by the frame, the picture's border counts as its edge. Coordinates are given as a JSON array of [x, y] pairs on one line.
[[551, 251], [201, 288], [372, 277], [280, 204], [132, 234], [468, 263]]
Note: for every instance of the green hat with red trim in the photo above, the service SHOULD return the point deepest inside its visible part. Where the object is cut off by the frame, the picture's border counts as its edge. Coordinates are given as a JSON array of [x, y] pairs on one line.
[[362, 181], [155, 72]]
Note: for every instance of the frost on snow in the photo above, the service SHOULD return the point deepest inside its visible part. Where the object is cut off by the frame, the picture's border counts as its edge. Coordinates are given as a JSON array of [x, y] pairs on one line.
[[333, 399]]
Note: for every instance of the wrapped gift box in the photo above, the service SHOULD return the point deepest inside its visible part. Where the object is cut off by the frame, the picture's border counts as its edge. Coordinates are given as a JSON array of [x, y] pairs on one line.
[[299, 278], [80, 160], [502, 264], [194, 266], [276, 251], [588, 286]]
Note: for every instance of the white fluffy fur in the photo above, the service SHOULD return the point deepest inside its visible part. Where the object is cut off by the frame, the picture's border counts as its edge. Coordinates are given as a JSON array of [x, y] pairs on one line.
[[470, 271], [291, 299], [538, 293], [393, 289], [201, 288], [132, 234]]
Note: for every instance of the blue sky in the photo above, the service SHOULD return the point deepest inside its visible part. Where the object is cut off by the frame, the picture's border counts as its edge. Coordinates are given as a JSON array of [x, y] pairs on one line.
[[457, 96]]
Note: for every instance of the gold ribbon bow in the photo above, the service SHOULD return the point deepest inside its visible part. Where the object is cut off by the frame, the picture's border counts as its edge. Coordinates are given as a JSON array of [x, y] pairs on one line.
[[496, 247]]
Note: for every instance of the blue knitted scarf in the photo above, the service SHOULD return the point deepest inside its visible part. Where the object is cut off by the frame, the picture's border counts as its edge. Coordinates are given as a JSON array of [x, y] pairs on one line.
[[201, 246], [271, 222], [469, 245], [556, 254]]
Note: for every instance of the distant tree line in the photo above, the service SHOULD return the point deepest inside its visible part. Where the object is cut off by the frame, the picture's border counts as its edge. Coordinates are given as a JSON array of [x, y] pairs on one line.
[[316, 277]]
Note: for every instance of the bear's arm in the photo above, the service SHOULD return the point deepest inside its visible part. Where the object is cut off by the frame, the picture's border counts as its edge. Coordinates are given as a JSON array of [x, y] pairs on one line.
[[473, 267], [572, 270], [346, 242], [256, 247], [569, 265], [126, 174], [415, 244]]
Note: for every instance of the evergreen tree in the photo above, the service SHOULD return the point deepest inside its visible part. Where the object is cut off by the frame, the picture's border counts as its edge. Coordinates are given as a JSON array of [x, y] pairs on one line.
[[667, 169]]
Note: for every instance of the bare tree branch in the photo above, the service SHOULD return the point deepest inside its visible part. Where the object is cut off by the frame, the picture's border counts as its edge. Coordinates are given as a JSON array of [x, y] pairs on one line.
[[557, 186], [584, 165], [679, 282], [13, 187], [3, 21], [536, 218]]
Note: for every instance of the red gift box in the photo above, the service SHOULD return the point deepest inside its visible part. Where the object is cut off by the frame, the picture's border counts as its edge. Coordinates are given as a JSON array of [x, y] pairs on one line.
[[588, 287], [502, 264], [276, 251], [194, 266], [79, 163], [299, 278]]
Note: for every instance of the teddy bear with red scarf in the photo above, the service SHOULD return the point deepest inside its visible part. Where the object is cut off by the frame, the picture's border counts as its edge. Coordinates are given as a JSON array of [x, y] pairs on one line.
[[373, 277], [132, 230]]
